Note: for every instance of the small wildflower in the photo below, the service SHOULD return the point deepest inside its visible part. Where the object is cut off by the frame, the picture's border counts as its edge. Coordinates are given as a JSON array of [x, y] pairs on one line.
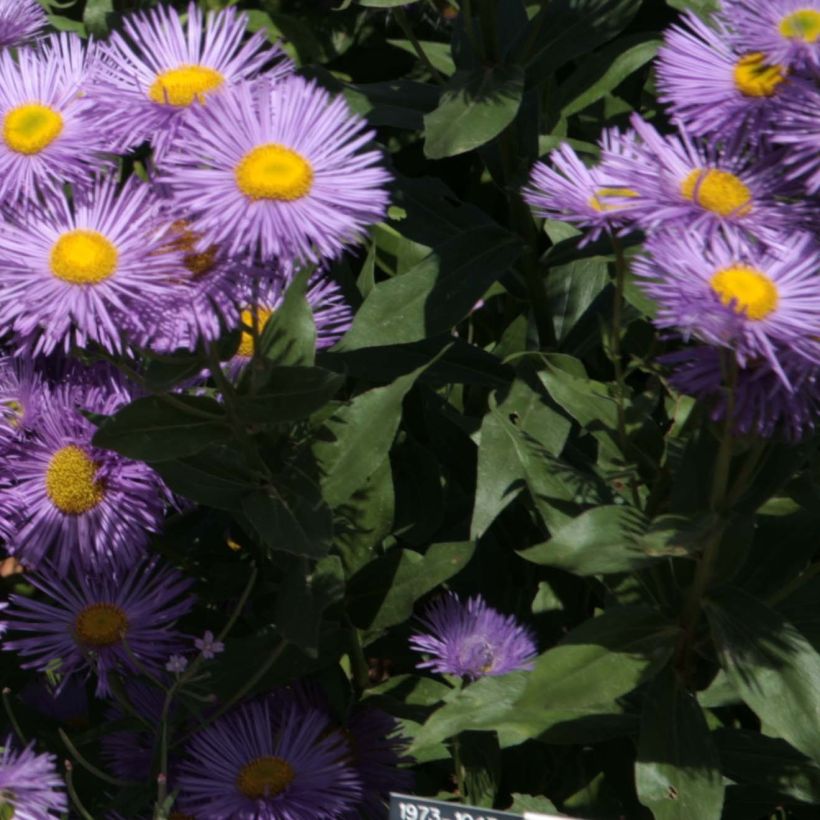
[[208, 645], [177, 664]]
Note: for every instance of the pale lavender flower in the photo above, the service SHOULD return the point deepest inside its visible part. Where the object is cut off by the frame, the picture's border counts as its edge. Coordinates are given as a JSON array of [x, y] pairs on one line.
[[29, 783], [177, 664], [208, 645], [798, 130], [472, 640], [20, 20]]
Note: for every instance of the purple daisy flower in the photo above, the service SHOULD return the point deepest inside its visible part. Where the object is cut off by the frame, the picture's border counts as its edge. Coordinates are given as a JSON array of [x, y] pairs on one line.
[[49, 133], [376, 752], [73, 270], [472, 640], [20, 20], [702, 188], [158, 69], [30, 785], [712, 89], [22, 392], [728, 292], [798, 130], [84, 506], [281, 169], [787, 31], [570, 191], [267, 765], [763, 405], [332, 314], [99, 623]]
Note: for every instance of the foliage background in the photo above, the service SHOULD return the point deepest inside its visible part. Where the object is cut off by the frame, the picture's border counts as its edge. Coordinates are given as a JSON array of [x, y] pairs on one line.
[[467, 433]]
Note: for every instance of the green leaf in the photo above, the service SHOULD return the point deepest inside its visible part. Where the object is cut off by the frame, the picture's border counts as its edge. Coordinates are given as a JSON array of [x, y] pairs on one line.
[[572, 289], [288, 394], [154, 429], [605, 72], [601, 540], [97, 16], [677, 773], [531, 803], [289, 335], [439, 54], [749, 757], [476, 106], [354, 442], [384, 591], [396, 103], [702, 7], [435, 294], [480, 760], [600, 660], [771, 664]]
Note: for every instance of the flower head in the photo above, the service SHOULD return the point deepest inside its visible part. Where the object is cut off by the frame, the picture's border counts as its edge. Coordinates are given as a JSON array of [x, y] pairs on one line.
[[762, 404], [48, 132], [726, 291], [177, 664], [81, 505], [281, 169], [98, 623], [268, 764], [786, 31], [22, 391], [472, 640], [20, 20], [159, 69], [798, 131], [29, 784], [702, 188], [714, 90], [568, 190], [208, 645], [78, 272]]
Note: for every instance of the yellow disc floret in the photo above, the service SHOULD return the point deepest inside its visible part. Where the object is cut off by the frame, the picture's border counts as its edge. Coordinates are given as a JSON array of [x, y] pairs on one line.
[[747, 289], [264, 777], [184, 85], [71, 481], [274, 172], [803, 24], [100, 624], [718, 191], [246, 342], [754, 77], [30, 128], [83, 257], [598, 199]]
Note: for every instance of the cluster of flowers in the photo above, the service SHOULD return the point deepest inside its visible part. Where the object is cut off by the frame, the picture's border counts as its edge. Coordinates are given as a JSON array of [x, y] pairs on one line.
[[240, 174], [728, 205]]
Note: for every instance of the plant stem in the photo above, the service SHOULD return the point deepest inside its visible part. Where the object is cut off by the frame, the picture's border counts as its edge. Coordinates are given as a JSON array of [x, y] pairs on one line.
[[459, 769], [615, 340], [723, 463], [90, 767], [401, 19], [72, 792], [12, 717]]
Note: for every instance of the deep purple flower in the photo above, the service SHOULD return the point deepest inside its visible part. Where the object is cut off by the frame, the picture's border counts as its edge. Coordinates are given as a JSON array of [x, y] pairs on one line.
[[158, 70], [20, 20], [49, 132], [762, 404], [22, 393], [30, 784], [702, 188], [787, 31], [568, 190], [377, 751], [281, 169], [472, 640], [98, 623], [74, 502], [73, 269], [268, 765], [798, 130], [729, 292], [714, 90]]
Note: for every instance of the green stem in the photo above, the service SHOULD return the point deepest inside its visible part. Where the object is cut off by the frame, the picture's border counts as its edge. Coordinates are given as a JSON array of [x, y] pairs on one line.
[[459, 769], [358, 662], [12, 718], [90, 767], [615, 341], [812, 571], [723, 463], [401, 19], [467, 14], [72, 792]]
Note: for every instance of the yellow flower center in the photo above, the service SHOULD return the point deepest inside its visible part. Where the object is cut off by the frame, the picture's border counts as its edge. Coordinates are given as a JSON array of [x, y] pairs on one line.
[[29, 128], [83, 257], [597, 200], [264, 777], [803, 24], [749, 290], [754, 77], [71, 481], [718, 191], [274, 172], [100, 624], [184, 85], [246, 342]]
